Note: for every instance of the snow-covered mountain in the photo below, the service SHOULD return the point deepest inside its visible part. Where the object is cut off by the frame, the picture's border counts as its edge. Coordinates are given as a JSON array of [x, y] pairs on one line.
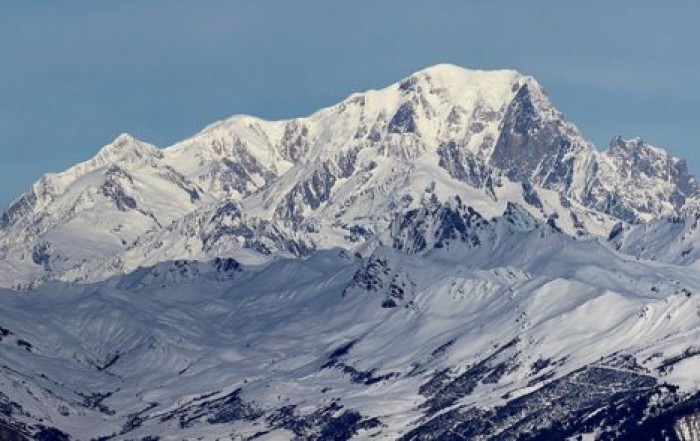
[[444, 258], [338, 177]]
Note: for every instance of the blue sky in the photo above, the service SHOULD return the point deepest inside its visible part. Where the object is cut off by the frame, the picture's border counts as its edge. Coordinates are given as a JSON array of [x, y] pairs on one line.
[[74, 74]]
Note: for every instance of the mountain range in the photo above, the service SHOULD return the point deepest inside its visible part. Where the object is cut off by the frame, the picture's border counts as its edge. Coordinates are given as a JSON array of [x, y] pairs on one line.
[[444, 258]]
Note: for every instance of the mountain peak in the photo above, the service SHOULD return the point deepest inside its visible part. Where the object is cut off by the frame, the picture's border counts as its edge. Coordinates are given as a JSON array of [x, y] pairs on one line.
[[639, 154], [126, 142], [447, 71], [636, 143], [124, 138], [125, 147], [458, 81]]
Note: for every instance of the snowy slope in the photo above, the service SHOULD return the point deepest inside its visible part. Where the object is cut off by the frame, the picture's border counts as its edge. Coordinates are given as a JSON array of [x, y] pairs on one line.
[[393, 345], [674, 240]]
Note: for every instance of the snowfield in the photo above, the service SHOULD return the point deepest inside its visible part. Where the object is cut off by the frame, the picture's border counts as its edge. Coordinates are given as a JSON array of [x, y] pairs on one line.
[[445, 258]]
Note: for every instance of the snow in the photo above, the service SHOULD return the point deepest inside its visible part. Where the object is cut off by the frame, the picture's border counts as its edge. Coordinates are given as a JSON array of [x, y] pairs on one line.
[[267, 165], [126, 293], [270, 330]]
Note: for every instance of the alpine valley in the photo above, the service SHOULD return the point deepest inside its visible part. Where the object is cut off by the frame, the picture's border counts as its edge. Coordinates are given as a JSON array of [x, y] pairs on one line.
[[443, 259]]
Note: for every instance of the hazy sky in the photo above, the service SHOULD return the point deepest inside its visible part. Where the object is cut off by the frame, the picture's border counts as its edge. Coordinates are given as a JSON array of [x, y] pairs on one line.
[[74, 74]]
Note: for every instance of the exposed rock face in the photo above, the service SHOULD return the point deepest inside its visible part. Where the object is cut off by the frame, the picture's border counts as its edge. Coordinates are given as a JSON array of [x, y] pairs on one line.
[[295, 142], [465, 166], [534, 147], [635, 181], [687, 428], [113, 189], [435, 224]]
